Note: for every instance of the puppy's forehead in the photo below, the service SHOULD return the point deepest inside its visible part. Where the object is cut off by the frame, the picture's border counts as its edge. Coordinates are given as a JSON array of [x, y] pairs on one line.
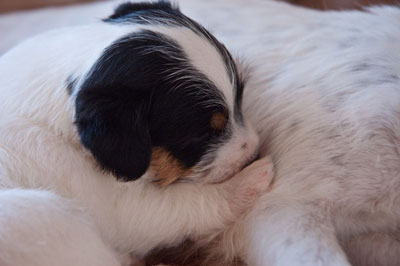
[[205, 57], [203, 50]]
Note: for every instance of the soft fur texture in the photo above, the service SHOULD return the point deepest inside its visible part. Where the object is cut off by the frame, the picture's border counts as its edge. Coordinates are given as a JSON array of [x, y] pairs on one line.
[[131, 97], [324, 94]]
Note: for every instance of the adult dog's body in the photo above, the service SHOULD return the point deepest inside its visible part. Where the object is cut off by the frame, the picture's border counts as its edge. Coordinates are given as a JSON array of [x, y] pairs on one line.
[[324, 94]]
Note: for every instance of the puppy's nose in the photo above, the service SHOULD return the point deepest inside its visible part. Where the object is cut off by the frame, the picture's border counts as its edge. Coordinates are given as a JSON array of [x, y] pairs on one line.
[[244, 146]]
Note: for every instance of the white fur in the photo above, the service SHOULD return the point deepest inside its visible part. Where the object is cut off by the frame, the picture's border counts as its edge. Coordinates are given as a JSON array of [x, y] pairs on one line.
[[302, 61], [324, 96], [56, 206]]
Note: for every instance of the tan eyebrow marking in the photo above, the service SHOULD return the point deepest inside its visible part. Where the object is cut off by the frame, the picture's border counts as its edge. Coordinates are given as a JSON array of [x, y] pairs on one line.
[[218, 121]]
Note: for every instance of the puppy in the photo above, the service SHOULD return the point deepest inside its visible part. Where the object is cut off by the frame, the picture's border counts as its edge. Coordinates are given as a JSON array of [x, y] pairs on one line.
[[147, 95], [324, 96]]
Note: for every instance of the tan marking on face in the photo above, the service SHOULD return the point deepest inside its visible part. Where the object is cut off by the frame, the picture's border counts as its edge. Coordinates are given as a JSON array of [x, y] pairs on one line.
[[218, 121], [167, 168]]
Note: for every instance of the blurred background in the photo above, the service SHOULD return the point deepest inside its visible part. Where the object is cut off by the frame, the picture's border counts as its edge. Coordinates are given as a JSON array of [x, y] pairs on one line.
[[12, 5], [20, 19], [341, 4]]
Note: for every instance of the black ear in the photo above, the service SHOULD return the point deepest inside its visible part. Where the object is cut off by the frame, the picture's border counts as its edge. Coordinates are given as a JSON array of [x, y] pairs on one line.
[[112, 125]]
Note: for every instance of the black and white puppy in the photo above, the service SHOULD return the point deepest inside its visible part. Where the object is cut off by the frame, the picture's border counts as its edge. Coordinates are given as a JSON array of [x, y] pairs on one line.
[[164, 92], [146, 94]]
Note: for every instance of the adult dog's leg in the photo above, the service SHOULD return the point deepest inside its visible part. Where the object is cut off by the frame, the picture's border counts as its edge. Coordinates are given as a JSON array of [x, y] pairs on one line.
[[291, 232], [373, 249], [39, 228]]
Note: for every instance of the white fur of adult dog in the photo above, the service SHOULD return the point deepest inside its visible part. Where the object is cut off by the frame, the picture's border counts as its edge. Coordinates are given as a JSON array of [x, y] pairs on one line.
[[324, 94], [57, 207]]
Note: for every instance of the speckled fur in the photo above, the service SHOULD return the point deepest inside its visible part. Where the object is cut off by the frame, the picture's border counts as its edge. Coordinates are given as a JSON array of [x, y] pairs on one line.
[[324, 96]]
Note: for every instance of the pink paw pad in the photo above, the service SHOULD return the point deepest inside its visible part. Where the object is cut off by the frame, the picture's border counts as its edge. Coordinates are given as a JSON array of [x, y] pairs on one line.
[[252, 182]]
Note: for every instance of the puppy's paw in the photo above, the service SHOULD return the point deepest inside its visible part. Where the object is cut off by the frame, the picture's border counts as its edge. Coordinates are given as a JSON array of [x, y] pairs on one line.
[[249, 184]]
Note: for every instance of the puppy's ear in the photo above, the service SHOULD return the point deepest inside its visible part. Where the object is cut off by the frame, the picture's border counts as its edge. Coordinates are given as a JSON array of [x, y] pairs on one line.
[[112, 125]]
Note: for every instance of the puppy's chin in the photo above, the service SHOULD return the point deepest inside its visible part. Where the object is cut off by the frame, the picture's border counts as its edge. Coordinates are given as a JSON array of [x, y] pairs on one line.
[[219, 177], [175, 175], [165, 170], [237, 153]]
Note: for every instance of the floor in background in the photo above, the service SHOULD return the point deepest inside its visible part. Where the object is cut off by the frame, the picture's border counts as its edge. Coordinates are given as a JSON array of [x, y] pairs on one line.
[[342, 4], [12, 5], [15, 26]]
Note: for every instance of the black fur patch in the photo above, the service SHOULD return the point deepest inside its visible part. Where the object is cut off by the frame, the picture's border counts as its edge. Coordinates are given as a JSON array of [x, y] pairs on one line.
[[133, 100], [127, 8], [163, 12]]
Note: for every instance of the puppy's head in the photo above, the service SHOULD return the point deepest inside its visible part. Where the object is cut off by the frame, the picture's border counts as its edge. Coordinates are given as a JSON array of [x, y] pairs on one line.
[[164, 99]]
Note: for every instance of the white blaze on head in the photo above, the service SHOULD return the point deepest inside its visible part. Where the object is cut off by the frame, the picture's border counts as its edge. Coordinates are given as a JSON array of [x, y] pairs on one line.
[[205, 57]]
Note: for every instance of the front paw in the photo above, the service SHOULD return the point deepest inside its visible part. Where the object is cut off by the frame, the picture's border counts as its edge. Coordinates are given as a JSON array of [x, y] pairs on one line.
[[249, 184]]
